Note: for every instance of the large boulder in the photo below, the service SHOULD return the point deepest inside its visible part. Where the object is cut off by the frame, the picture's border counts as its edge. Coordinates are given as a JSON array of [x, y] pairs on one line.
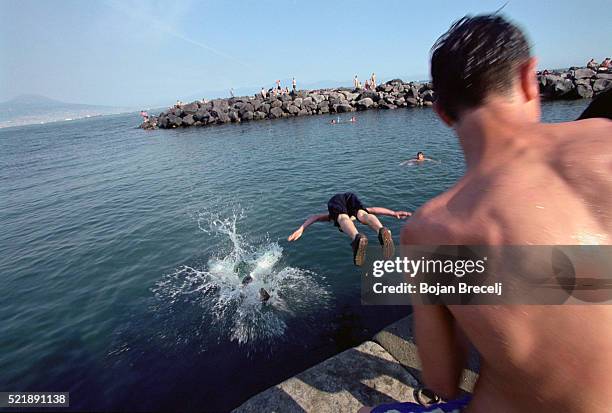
[[162, 120], [584, 91], [276, 112], [286, 104], [556, 86], [349, 95], [234, 116], [188, 120], [607, 76], [583, 73], [256, 104], [276, 103], [343, 108], [411, 92], [428, 95], [246, 115], [298, 102], [259, 115], [309, 103], [220, 105], [601, 85], [190, 108], [174, 121], [364, 103], [323, 109], [202, 116], [369, 94], [412, 102], [222, 117], [317, 98]]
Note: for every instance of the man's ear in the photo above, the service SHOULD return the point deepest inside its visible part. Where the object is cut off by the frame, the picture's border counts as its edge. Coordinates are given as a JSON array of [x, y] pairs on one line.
[[529, 80], [442, 115]]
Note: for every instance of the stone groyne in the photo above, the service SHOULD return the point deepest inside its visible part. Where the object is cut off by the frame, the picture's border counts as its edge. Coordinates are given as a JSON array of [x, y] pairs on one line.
[[576, 83]]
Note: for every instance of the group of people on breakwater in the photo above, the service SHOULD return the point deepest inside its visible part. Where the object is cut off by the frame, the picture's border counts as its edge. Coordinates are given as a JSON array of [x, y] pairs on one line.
[[523, 186], [370, 84], [279, 102], [278, 90], [605, 66]]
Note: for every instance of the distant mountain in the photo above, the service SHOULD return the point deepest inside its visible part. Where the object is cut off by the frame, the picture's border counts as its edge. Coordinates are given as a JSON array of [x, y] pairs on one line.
[[29, 109]]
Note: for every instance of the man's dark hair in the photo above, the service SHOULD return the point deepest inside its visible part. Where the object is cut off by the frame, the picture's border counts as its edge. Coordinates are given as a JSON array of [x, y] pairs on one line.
[[420, 153], [476, 56]]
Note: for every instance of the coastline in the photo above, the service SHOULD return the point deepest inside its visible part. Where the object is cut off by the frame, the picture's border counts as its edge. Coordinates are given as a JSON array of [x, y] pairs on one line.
[[574, 83]]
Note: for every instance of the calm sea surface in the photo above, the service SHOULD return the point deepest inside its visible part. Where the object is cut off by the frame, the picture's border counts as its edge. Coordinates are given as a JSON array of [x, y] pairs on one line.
[[121, 251]]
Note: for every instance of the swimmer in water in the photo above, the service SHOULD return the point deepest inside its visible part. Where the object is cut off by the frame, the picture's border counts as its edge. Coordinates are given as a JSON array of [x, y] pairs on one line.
[[263, 294], [420, 158], [343, 209], [353, 119]]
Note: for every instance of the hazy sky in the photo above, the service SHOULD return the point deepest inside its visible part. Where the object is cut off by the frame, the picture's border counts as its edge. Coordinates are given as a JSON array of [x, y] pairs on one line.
[[137, 52]]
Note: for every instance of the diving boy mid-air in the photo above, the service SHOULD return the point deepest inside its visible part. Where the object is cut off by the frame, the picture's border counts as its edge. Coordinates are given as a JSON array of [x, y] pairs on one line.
[[342, 210]]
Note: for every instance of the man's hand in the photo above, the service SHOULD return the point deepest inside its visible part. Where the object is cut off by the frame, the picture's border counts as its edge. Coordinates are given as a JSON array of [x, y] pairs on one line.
[[296, 234], [402, 214]]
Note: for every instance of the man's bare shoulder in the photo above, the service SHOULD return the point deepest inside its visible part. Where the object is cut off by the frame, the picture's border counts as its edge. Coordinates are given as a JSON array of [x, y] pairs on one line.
[[432, 224], [587, 134]]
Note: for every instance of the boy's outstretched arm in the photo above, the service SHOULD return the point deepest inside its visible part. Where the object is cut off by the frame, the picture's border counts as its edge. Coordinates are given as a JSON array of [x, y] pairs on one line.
[[311, 220], [388, 212]]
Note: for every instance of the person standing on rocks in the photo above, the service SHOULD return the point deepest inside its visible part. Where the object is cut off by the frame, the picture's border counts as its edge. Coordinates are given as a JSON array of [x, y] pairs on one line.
[[526, 183], [373, 81], [343, 209], [263, 93], [355, 82], [294, 85]]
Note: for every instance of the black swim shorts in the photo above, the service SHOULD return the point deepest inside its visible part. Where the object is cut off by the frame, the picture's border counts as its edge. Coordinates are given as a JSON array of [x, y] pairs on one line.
[[347, 203]]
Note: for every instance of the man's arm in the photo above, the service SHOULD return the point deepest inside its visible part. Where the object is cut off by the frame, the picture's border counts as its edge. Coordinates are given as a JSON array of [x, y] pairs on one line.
[[309, 221], [440, 349], [388, 212]]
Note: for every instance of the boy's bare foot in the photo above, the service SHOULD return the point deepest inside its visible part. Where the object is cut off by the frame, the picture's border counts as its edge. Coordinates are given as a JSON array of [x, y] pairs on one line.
[[359, 245], [385, 239]]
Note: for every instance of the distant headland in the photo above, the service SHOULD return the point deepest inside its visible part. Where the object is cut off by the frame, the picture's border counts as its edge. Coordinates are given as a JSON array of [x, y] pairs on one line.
[[574, 83]]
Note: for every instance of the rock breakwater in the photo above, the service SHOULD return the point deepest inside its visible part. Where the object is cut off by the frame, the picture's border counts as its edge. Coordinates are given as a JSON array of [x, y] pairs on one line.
[[576, 83]]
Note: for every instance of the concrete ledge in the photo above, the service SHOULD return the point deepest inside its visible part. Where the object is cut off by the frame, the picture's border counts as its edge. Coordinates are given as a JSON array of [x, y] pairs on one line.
[[363, 375], [398, 340]]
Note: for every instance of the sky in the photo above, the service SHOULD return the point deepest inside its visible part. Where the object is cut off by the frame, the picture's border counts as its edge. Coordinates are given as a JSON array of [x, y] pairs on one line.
[[141, 53]]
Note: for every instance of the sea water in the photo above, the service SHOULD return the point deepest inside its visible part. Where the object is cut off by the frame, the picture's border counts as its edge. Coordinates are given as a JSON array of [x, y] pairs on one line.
[[122, 252]]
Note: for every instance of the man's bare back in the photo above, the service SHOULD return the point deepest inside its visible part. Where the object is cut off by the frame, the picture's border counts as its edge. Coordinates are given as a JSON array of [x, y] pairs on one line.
[[527, 183], [552, 186]]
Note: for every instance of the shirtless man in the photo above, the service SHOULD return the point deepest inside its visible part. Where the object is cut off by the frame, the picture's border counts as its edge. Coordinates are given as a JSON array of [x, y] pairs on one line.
[[526, 183]]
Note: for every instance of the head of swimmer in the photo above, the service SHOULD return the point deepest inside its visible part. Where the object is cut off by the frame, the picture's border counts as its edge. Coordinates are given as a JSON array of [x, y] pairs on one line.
[[420, 156], [481, 61]]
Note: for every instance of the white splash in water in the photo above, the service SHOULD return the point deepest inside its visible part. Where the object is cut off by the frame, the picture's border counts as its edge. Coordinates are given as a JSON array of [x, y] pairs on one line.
[[236, 310]]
